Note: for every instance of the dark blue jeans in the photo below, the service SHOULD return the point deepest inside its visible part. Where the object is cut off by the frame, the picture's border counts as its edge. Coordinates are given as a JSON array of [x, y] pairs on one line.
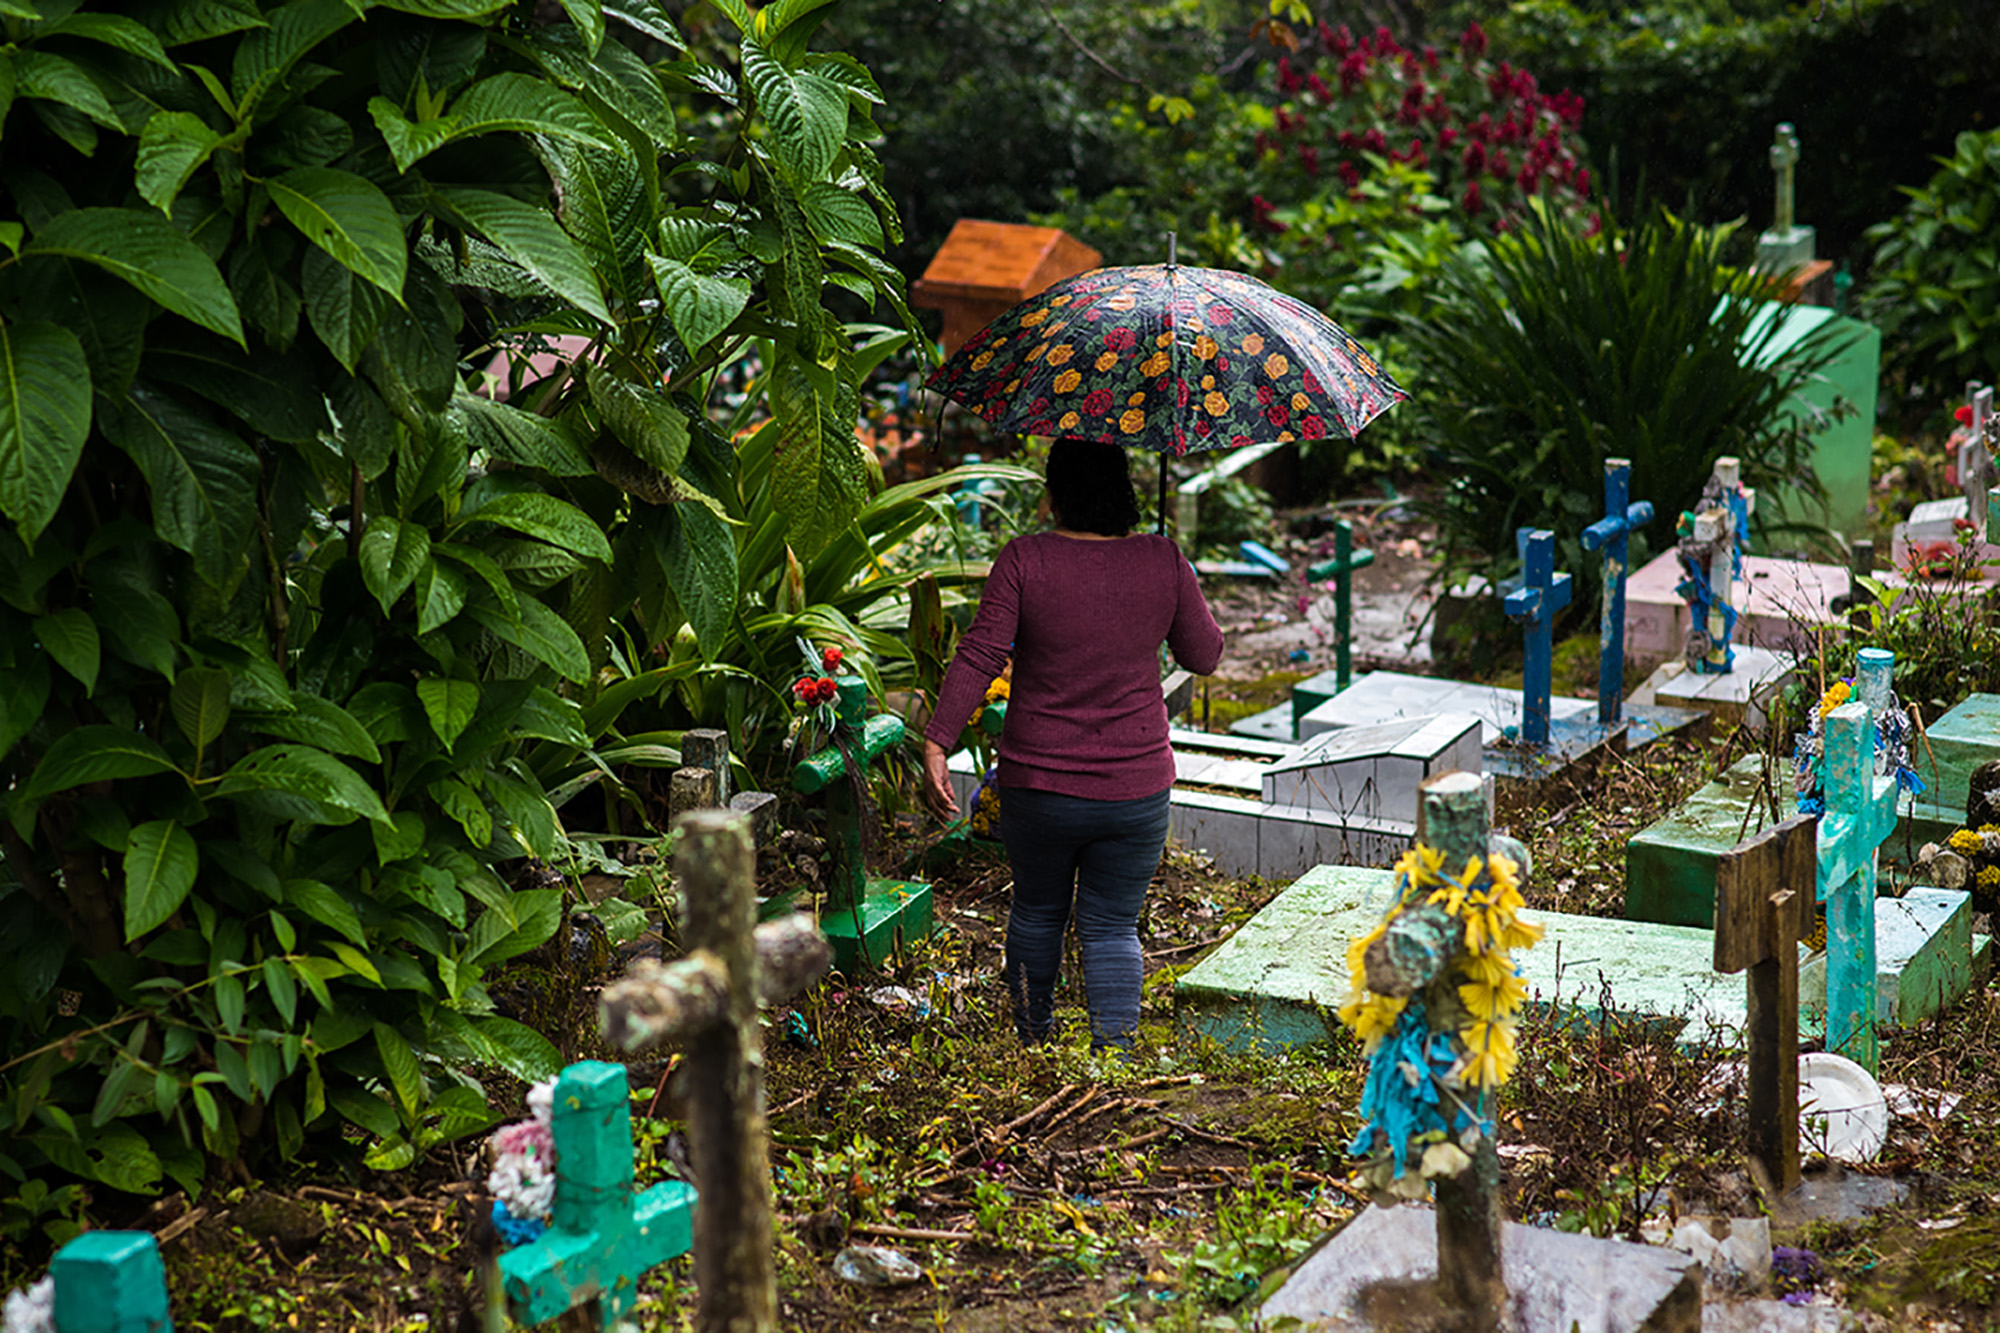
[[1100, 857]]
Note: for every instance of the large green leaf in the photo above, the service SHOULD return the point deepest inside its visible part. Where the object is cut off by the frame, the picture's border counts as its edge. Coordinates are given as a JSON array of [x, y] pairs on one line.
[[64, 84], [267, 55], [643, 418], [146, 250], [275, 395], [303, 772], [818, 477], [504, 103], [44, 419], [835, 214], [181, 21], [349, 218], [604, 206], [647, 17], [200, 701], [392, 552], [807, 113], [70, 637], [107, 316], [24, 691], [518, 1049], [172, 147], [202, 478], [160, 864], [697, 556], [588, 16], [701, 305], [114, 30], [319, 722], [440, 596], [540, 633], [325, 905], [529, 237], [554, 521], [450, 705], [94, 754], [519, 437], [406, 1076], [344, 308]]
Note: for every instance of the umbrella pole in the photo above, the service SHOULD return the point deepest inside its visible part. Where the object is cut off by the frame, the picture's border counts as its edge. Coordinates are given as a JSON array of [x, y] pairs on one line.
[[1173, 372]]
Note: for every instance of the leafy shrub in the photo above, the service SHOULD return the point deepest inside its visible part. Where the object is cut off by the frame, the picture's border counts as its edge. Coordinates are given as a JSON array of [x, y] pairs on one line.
[[1562, 350], [1934, 287], [294, 623]]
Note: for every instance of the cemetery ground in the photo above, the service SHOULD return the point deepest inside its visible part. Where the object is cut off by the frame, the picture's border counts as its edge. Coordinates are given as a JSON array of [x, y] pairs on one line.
[[1051, 1188]]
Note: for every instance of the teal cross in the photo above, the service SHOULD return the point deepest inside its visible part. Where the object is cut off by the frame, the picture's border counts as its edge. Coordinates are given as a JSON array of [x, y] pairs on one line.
[[602, 1238], [111, 1282], [1860, 814], [1346, 559]]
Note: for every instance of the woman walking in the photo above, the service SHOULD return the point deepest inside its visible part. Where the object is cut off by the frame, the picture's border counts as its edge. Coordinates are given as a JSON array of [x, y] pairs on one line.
[[1085, 769]]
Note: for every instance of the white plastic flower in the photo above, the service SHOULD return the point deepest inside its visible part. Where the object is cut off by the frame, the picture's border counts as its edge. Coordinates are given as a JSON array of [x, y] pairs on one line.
[[32, 1310]]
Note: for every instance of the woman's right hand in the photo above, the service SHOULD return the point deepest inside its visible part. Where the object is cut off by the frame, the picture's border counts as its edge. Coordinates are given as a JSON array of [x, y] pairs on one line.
[[938, 798]]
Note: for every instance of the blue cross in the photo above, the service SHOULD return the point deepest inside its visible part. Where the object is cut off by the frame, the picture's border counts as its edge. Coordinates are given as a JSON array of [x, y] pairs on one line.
[[1542, 593], [601, 1238], [111, 1282], [1611, 532], [1860, 814]]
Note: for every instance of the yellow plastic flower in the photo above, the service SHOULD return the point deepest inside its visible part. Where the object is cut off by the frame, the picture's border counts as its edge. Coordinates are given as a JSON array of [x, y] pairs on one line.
[[1988, 877], [1965, 842], [998, 690], [1420, 866], [1490, 1056], [1520, 934], [1487, 1001], [1371, 1017], [1491, 968], [1834, 698], [1452, 896]]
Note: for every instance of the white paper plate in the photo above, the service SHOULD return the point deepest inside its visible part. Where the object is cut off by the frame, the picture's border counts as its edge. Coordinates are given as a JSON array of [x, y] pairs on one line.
[[1841, 1109]]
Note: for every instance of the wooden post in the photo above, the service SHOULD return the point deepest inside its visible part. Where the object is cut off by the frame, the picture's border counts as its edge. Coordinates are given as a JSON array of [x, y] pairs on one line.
[[1451, 817], [1613, 532], [690, 788], [710, 1000], [111, 1282], [1542, 593], [1762, 909], [1860, 815], [1419, 944], [1346, 559], [704, 747]]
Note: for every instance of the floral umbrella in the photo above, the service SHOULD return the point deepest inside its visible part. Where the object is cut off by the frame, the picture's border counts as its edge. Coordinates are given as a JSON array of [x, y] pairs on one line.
[[1168, 358]]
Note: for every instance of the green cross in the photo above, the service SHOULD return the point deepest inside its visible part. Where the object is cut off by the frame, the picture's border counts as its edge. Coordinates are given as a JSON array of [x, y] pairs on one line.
[[601, 1238], [1860, 814], [111, 1282], [1346, 559]]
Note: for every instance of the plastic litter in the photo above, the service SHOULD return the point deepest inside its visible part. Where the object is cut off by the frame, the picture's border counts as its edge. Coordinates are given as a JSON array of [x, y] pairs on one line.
[[875, 1266], [899, 999]]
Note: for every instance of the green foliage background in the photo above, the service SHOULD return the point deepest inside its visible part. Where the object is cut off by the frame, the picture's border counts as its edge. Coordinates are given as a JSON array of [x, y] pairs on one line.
[[300, 629]]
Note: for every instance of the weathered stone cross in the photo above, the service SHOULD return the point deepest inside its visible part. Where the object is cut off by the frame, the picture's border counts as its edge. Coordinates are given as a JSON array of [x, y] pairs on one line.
[[709, 1001], [1975, 463], [1784, 161], [1860, 814], [1346, 559], [1542, 593], [1613, 532], [1762, 910]]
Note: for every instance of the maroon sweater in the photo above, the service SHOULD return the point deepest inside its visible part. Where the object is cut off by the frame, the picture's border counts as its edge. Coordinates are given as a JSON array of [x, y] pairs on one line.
[[1084, 620]]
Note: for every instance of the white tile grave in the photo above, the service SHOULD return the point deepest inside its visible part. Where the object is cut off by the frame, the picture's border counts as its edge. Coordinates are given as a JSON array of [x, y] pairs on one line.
[[1388, 696], [1345, 798]]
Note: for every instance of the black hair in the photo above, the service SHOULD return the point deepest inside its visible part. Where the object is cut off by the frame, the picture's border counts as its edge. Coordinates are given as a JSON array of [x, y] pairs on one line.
[[1090, 487]]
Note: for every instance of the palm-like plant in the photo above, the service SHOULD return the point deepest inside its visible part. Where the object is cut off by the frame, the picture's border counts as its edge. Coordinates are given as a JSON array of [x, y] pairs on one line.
[[1556, 350]]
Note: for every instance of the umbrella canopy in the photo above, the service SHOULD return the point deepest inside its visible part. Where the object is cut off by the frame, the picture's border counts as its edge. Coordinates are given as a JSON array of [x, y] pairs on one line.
[[1167, 358]]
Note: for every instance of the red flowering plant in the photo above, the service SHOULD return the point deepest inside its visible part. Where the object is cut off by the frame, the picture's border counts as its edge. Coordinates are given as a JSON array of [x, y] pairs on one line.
[[816, 690], [1351, 111]]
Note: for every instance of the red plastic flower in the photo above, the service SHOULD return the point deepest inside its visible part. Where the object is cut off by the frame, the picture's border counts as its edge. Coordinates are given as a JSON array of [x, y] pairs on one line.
[[1963, 414], [824, 689], [829, 659]]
